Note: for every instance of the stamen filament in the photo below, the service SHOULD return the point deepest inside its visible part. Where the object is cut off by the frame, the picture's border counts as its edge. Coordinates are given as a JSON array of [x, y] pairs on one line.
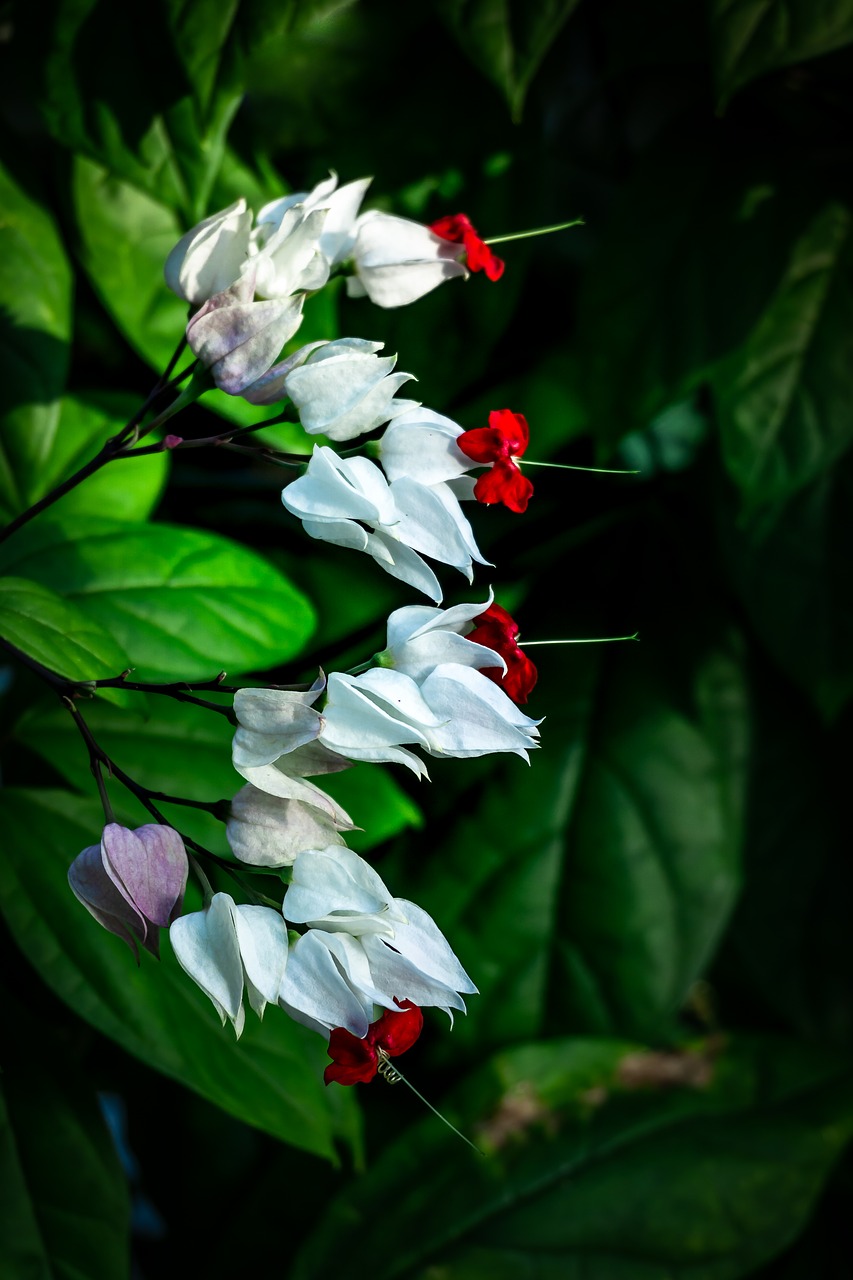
[[539, 231], [564, 466], [398, 1075], [522, 644]]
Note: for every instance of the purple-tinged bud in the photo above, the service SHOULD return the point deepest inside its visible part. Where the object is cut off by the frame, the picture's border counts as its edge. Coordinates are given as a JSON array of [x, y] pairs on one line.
[[133, 883], [172, 442], [237, 339]]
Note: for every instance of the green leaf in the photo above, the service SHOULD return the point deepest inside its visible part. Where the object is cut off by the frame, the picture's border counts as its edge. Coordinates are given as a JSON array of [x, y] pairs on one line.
[[55, 633], [784, 397], [375, 801], [128, 490], [507, 40], [592, 891], [148, 129], [166, 746], [184, 604], [737, 1156], [271, 1078], [66, 1210], [790, 564], [126, 237], [35, 327], [752, 37], [683, 273]]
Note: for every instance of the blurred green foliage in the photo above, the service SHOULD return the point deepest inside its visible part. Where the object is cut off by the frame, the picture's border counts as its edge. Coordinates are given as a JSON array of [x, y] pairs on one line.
[[658, 1067]]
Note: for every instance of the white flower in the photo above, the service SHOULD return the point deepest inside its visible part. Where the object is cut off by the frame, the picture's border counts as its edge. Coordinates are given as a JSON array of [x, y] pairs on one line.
[[420, 638], [287, 259], [337, 497], [238, 339], [344, 389], [422, 444], [342, 206], [210, 256], [398, 261], [268, 831], [225, 947], [363, 948]]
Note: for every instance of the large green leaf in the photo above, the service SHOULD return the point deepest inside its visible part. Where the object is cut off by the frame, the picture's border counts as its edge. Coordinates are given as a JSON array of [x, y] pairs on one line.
[[506, 39], [715, 238], [35, 326], [752, 37], [65, 1208], [129, 491], [784, 396], [184, 604], [790, 563], [55, 633], [271, 1078], [585, 1177], [591, 892]]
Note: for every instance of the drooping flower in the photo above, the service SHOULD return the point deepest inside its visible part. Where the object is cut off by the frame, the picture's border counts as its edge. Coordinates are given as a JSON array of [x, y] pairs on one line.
[[363, 947], [497, 630], [349, 502], [269, 831], [210, 257], [342, 389], [133, 882], [397, 261], [458, 228], [357, 1061], [341, 205], [227, 947], [238, 339], [500, 445], [420, 638]]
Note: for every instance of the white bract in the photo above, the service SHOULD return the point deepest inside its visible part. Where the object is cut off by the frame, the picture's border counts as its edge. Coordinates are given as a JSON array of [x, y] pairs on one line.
[[238, 339], [341, 205], [225, 948], [420, 638], [422, 444], [397, 261], [337, 497], [287, 259], [211, 255], [363, 948], [343, 388], [269, 831]]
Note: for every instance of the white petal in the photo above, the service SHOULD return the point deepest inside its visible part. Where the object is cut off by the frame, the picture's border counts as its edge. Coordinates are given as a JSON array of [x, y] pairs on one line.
[[422, 444], [402, 562], [403, 980], [421, 941], [266, 831], [205, 945], [336, 889], [262, 938], [314, 986]]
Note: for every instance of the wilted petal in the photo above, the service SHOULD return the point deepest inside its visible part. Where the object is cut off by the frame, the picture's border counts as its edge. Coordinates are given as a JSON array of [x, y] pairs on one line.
[[270, 832], [238, 339], [91, 885], [149, 868]]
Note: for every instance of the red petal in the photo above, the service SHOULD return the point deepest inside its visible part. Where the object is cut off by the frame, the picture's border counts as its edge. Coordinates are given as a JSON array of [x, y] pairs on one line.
[[497, 617], [480, 256], [397, 1032], [483, 445], [513, 428], [354, 1060], [504, 483], [454, 226], [496, 629]]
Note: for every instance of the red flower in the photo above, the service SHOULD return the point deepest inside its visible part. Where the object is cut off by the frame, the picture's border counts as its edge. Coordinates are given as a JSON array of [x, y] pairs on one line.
[[457, 227], [500, 443], [497, 630], [355, 1060]]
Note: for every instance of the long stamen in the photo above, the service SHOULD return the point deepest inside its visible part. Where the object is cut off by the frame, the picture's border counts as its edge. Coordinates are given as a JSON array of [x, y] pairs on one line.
[[523, 644], [394, 1076], [564, 466], [539, 231]]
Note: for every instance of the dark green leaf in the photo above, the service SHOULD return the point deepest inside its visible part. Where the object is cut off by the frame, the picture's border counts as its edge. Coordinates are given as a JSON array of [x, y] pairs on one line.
[[35, 326], [55, 633], [507, 40], [592, 891], [585, 1176], [129, 491], [374, 800], [184, 604], [784, 396], [65, 1208], [271, 1078], [752, 37]]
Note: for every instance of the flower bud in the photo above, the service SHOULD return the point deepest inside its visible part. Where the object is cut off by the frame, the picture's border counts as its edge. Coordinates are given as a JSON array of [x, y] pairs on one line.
[[210, 256], [237, 339]]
